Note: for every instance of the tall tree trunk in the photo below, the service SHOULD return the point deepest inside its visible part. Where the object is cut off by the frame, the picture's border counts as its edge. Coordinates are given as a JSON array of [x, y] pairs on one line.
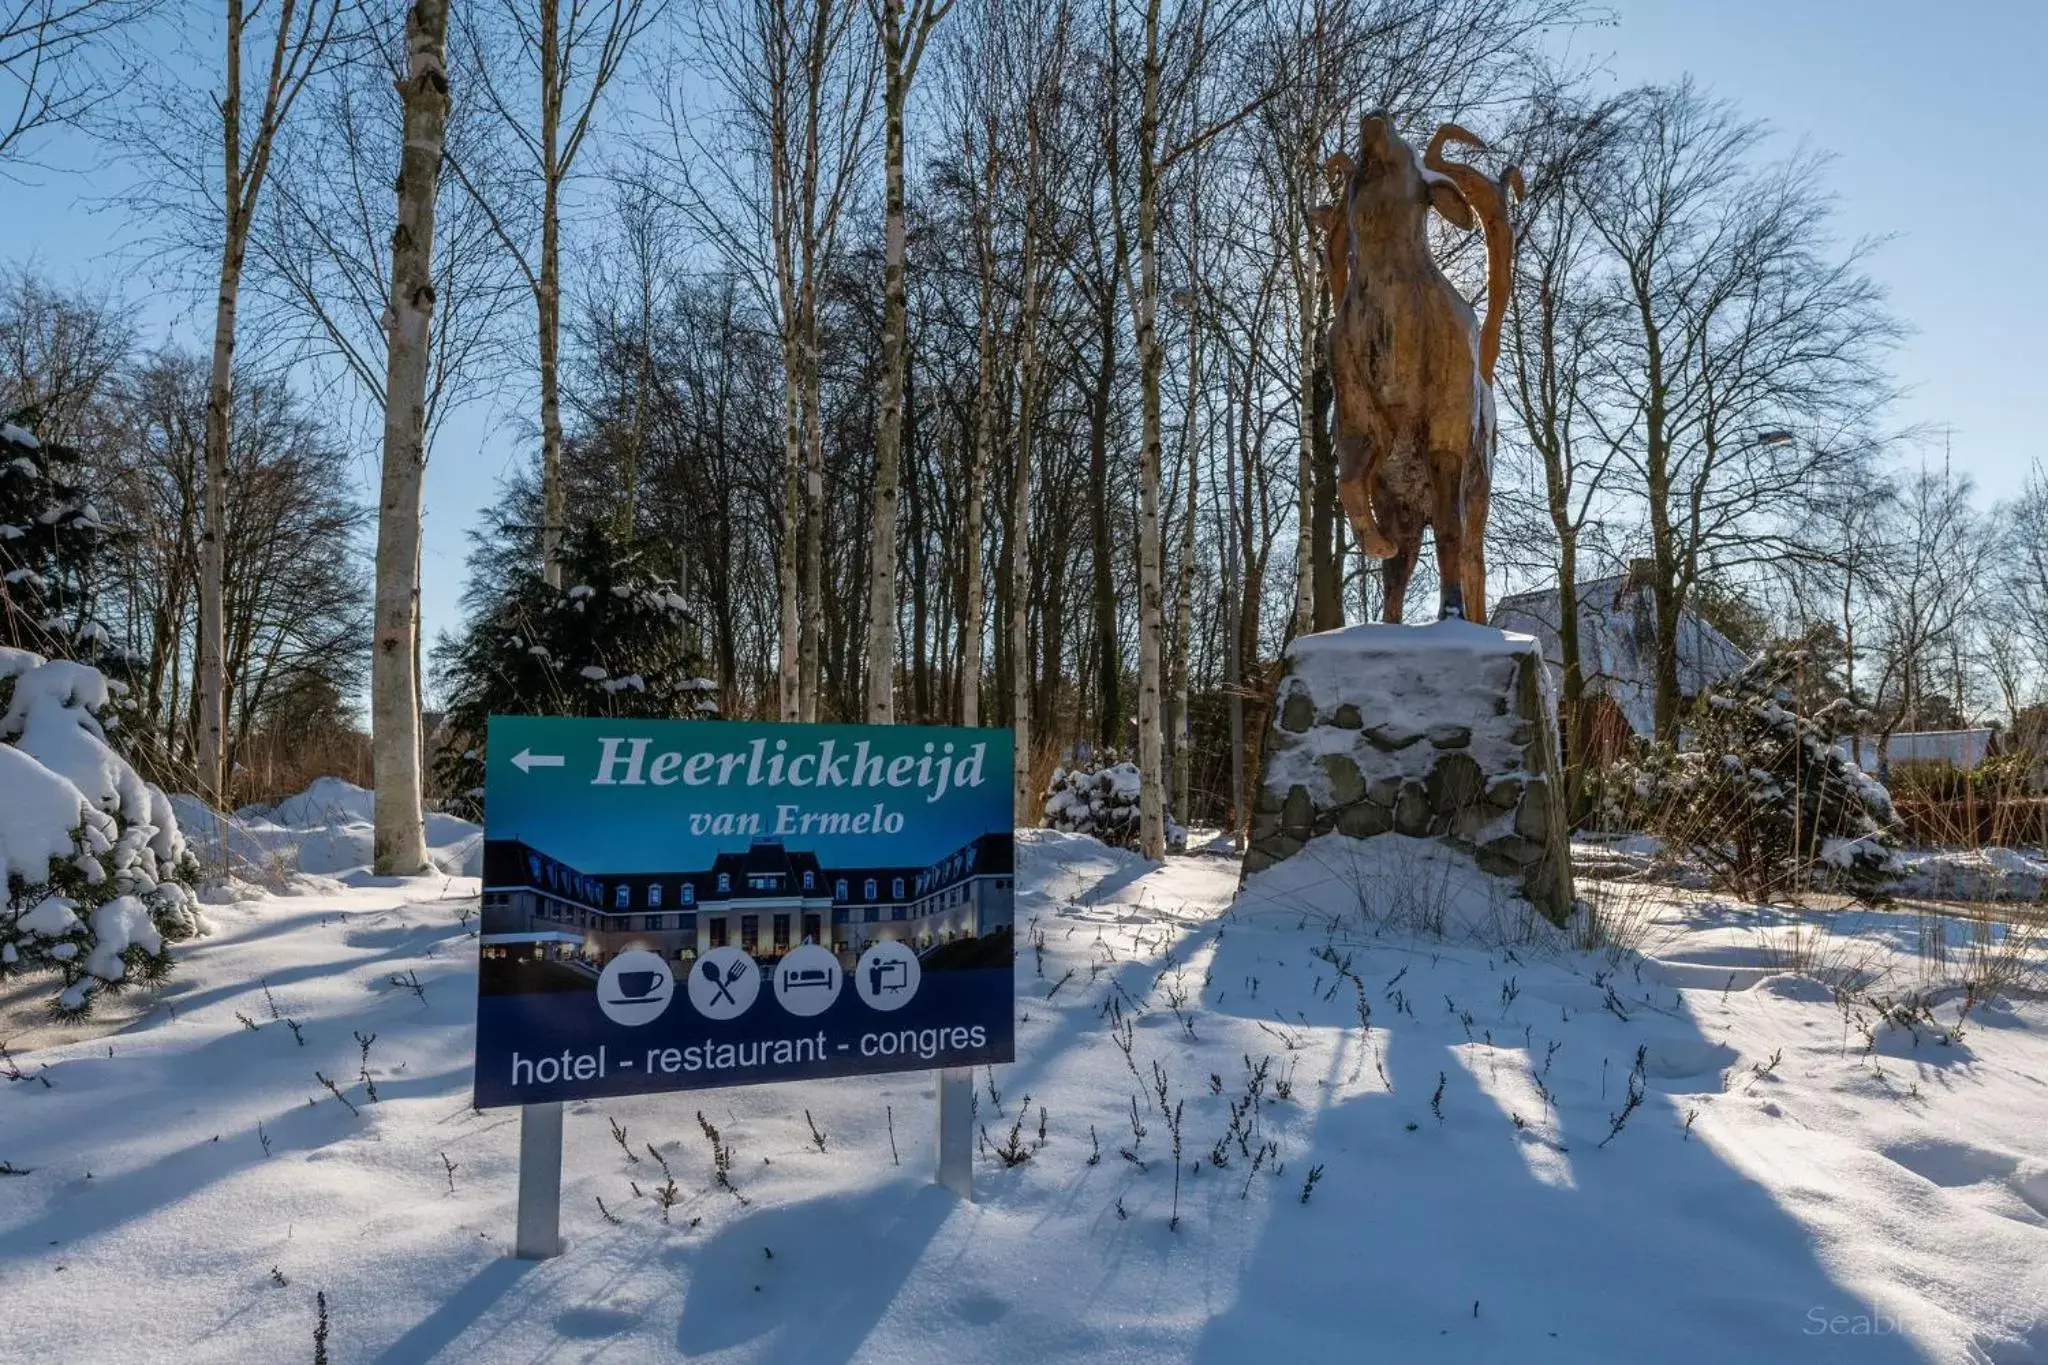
[[984, 436], [790, 688], [1024, 802], [1326, 532], [1572, 704], [209, 682], [1308, 359], [1184, 631], [810, 643], [895, 358], [1109, 669], [1184, 597], [548, 297], [400, 846], [1151, 360]]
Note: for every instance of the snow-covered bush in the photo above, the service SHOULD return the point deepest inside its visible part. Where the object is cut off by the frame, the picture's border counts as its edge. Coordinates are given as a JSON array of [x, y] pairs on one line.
[[1760, 793], [98, 879], [1102, 803], [617, 641]]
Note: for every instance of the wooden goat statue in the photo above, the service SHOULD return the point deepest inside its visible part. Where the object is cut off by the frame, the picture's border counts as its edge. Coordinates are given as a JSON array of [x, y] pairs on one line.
[[1410, 367]]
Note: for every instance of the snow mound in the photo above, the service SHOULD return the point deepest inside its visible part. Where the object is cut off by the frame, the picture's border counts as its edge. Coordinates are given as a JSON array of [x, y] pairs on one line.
[[1975, 874], [328, 801], [327, 830], [1396, 882]]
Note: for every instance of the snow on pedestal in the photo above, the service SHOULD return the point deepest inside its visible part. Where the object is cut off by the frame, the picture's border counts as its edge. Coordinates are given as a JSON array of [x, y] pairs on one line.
[[1441, 731]]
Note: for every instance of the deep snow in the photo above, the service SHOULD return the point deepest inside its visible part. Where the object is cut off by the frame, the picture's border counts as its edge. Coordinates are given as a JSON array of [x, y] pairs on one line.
[[327, 830], [190, 1183]]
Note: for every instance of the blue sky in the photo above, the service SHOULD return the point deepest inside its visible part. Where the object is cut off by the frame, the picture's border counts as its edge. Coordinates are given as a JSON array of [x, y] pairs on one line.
[[1926, 110]]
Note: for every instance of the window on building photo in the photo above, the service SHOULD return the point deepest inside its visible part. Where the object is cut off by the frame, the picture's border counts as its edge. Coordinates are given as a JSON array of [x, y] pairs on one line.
[[725, 881], [654, 893], [810, 879], [871, 888], [896, 889], [656, 922], [840, 890], [689, 896], [782, 933], [750, 934], [622, 897]]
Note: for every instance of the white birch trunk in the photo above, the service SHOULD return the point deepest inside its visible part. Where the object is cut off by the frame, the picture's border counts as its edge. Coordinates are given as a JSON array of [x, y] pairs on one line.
[[1307, 280], [400, 846], [895, 360], [209, 679], [1151, 572]]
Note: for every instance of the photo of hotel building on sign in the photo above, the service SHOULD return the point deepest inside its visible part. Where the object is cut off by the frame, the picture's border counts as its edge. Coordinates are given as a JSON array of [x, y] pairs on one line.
[[765, 899]]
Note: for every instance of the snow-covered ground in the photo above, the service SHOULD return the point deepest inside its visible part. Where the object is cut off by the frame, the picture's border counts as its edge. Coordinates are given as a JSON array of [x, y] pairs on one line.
[[326, 830], [1800, 1181]]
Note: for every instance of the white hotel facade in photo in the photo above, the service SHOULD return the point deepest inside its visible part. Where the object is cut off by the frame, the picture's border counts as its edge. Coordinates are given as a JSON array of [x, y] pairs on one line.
[[765, 899]]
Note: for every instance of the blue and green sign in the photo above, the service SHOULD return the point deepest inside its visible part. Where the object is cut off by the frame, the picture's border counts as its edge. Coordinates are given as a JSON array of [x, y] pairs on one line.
[[673, 905]]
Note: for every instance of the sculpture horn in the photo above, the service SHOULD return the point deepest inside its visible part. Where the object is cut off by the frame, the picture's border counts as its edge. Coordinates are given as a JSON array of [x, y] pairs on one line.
[[1489, 200]]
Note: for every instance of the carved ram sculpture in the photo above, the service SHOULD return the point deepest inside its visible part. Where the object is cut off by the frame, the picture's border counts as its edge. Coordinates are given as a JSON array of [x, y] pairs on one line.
[[1410, 367]]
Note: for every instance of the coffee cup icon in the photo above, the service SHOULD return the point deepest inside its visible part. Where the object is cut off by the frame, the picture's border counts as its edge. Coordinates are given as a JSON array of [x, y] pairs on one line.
[[635, 987], [638, 985]]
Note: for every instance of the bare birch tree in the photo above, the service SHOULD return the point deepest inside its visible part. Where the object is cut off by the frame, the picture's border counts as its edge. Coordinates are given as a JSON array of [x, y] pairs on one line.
[[766, 179], [400, 841], [903, 38], [58, 63], [1198, 29], [302, 36], [572, 50]]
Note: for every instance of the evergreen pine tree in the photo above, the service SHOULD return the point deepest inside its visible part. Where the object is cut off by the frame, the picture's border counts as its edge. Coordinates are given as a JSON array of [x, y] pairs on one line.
[[1759, 791], [50, 541], [615, 640], [53, 548]]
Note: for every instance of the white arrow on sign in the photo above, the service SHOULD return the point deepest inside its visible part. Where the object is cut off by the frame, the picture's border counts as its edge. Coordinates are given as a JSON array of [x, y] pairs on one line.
[[526, 760]]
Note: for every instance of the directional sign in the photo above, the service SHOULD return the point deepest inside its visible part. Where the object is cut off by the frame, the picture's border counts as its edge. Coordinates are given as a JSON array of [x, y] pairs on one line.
[[672, 905]]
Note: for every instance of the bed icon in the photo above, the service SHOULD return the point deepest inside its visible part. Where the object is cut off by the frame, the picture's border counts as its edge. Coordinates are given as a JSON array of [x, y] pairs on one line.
[[807, 981], [799, 978]]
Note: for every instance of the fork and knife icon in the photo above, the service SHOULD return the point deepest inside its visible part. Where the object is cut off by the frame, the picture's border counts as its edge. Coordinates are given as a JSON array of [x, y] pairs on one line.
[[722, 982]]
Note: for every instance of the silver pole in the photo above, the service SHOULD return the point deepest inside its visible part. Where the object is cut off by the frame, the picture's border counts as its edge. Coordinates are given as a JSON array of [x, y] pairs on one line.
[[956, 1130], [540, 1182]]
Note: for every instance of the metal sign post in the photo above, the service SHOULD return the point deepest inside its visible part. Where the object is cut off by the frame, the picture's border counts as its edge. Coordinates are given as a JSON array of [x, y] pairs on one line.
[[540, 1182], [956, 1130]]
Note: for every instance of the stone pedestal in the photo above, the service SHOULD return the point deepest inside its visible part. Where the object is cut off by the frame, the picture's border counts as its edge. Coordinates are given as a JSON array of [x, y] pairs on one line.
[[1441, 731]]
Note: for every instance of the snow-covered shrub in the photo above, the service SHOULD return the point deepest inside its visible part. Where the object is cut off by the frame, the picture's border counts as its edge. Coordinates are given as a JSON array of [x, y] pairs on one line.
[[1102, 803], [98, 879], [1760, 793], [616, 641]]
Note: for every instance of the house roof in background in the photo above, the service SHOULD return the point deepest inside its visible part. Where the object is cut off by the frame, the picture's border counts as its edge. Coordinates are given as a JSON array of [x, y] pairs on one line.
[[1617, 643]]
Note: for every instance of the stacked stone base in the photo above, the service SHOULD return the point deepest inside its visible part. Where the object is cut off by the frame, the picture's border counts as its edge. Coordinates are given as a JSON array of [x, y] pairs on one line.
[[1439, 732]]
